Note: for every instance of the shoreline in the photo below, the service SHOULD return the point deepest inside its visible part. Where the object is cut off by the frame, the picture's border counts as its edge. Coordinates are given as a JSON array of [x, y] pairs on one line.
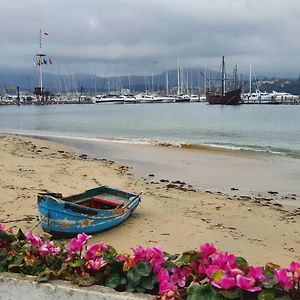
[[223, 171], [170, 214]]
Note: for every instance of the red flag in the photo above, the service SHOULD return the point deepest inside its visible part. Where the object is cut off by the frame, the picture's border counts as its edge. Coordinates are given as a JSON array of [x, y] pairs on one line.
[[50, 61], [45, 33]]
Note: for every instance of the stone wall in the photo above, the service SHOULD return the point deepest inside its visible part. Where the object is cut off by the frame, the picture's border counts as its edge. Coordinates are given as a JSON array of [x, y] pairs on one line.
[[18, 287]]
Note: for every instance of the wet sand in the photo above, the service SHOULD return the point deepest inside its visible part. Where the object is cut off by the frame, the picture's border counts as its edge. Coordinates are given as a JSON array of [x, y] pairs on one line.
[[206, 168], [172, 214]]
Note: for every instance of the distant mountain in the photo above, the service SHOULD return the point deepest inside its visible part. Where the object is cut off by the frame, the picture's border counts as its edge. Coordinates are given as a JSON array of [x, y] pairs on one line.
[[192, 79], [88, 83]]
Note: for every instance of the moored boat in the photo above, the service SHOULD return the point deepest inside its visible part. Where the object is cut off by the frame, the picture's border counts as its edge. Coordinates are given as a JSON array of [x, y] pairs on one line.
[[227, 98], [231, 97], [92, 211]]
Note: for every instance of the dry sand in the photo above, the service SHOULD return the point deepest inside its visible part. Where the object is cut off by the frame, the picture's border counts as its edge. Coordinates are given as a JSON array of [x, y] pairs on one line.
[[175, 217]]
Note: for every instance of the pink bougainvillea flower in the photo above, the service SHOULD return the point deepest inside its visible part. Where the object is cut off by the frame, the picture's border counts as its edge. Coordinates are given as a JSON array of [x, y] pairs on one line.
[[224, 260], [283, 278], [49, 248], [2, 227], [166, 287], [224, 281], [207, 250], [96, 264], [35, 241], [211, 269], [43, 250], [76, 244], [257, 273], [236, 271], [139, 253], [179, 275], [247, 283], [163, 275], [295, 269], [95, 250], [155, 256]]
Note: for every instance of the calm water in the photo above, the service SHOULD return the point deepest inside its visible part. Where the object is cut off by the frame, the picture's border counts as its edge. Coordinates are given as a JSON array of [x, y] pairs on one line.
[[265, 128]]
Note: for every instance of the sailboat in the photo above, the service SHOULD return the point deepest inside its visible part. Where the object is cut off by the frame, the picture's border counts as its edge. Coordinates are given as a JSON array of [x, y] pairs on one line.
[[231, 97]]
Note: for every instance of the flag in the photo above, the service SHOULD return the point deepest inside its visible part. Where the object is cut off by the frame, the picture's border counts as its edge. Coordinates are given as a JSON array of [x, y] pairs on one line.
[[46, 33], [50, 61], [45, 61]]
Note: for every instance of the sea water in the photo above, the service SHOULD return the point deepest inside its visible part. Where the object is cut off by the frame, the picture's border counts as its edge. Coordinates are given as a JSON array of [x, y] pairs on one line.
[[270, 129]]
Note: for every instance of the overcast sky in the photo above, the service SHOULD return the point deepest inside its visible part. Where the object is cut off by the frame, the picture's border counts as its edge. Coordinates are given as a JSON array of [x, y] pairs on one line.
[[137, 36]]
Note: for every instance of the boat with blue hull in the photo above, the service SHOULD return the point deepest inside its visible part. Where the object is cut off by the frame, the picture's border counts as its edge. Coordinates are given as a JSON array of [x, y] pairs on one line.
[[92, 211]]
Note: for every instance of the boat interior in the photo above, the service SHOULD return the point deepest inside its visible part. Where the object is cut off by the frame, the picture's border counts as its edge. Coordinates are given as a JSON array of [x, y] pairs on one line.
[[99, 202]]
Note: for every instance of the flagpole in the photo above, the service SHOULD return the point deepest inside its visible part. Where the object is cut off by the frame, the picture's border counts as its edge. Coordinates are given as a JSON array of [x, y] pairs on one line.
[[41, 71]]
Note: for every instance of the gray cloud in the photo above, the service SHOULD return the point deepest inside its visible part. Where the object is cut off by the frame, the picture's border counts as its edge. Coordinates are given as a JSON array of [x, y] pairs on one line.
[[129, 35]]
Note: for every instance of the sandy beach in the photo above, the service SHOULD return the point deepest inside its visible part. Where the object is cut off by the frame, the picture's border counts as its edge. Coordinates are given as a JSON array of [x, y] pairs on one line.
[[171, 214]]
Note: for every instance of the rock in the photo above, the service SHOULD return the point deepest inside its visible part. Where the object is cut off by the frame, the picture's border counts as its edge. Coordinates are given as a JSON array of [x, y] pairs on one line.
[[273, 192], [234, 189], [171, 186], [164, 180], [151, 175]]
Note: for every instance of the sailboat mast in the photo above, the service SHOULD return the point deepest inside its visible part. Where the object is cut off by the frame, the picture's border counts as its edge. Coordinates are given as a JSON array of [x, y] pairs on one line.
[[41, 68], [250, 79], [223, 76], [167, 81], [235, 77], [178, 79]]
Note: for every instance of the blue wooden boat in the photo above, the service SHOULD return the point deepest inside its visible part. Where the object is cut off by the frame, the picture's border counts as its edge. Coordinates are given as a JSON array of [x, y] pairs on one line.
[[92, 211]]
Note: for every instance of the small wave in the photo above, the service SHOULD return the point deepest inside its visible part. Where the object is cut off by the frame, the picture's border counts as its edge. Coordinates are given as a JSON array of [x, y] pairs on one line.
[[210, 146], [258, 149]]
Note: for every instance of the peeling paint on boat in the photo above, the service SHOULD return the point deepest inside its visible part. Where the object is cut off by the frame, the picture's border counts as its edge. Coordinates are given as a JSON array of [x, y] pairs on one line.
[[64, 217]]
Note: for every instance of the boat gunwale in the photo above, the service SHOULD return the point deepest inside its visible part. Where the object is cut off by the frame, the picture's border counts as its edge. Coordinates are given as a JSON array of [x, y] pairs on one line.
[[82, 214]]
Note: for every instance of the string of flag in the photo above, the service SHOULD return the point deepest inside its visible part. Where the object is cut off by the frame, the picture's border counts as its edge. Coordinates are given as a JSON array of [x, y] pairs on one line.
[[43, 61]]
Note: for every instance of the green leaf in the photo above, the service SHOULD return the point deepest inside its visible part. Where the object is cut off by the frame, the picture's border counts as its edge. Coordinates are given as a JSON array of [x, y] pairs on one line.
[[133, 277], [112, 250], [20, 235], [140, 289], [184, 260], [285, 297], [143, 268], [114, 280], [3, 261], [231, 294], [242, 263], [266, 295], [16, 263], [269, 284], [203, 292], [130, 287], [149, 282], [109, 258], [18, 260], [4, 236], [77, 263]]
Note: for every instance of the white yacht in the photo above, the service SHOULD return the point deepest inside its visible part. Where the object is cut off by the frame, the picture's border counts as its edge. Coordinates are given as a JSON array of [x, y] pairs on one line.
[[108, 99]]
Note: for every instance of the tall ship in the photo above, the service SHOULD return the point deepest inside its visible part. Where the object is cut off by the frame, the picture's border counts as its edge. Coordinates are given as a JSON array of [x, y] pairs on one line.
[[231, 96]]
